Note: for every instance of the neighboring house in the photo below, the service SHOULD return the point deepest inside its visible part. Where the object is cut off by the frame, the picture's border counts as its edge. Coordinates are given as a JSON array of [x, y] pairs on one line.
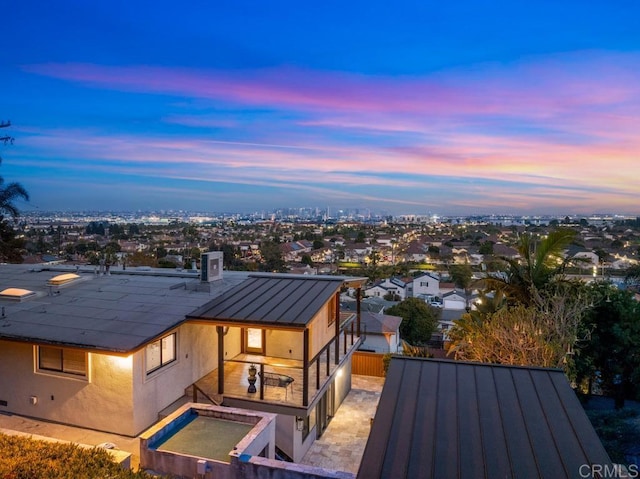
[[380, 333], [586, 259], [454, 300], [396, 286], [294, 250], [357, 252], [111, 352], [372, 304], [426, 285], [416, 251], [439, 418]]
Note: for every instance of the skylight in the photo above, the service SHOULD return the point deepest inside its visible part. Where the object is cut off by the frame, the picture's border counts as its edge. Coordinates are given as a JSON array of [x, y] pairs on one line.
[[16, 293], [63, 279]]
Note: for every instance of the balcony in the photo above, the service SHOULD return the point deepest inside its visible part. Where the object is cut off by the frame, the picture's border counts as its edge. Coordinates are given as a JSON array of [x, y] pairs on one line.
[[320, 369]]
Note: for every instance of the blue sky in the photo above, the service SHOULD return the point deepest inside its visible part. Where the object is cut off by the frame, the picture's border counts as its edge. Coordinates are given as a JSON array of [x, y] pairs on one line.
[[475, 107]]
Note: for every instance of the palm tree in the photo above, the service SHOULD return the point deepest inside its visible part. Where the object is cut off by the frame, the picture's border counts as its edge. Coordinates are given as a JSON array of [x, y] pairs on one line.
[[540, 264], [8, 194]]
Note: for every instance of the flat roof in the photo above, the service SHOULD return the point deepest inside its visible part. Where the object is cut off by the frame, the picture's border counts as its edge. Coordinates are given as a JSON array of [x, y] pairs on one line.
[[444, 419], [119, 312], [276, 300]]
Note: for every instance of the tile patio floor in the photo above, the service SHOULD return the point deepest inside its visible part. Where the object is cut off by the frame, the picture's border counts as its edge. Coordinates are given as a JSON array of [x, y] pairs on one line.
[[341, 446]]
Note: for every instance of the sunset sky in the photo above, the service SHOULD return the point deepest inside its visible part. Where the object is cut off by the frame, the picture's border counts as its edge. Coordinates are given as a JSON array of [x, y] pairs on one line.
[[461, 107]]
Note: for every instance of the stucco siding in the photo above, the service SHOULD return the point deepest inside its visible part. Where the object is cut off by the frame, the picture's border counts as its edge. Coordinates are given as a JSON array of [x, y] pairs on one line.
[[103, 401], [284, 344], [196, 355]]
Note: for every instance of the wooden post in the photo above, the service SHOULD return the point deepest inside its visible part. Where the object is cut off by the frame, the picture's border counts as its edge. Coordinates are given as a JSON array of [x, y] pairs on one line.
[[328, 361], [261, 381], [337, 320], [305, 367], [220, 331], [358, 291]]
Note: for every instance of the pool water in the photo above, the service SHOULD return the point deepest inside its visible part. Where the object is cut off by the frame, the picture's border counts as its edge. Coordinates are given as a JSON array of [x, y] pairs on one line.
[[206, 437]]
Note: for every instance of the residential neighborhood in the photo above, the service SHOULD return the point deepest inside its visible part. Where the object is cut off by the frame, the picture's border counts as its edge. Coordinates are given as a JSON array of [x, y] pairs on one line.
[[149, 323]]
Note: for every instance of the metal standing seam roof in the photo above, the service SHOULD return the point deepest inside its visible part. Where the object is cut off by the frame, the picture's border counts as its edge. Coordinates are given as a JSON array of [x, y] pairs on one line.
[[448, 419], [274, 300]]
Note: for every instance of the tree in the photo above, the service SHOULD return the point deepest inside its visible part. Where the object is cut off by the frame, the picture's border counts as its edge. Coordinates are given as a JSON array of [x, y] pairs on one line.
[[611, 355], [462, 276], [272, 259], [306, 259], [486, 248], [419, 320], [11, 247], [541, 265], [632, 275], [517, 335], [317, 244]]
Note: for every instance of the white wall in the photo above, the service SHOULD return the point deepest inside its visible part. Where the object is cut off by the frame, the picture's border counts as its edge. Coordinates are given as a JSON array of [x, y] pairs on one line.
[[284, 344], [196, 356], [94, 403], [426, 285], [380, 343]]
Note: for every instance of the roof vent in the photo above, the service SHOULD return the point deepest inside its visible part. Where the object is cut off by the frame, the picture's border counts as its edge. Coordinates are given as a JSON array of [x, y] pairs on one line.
[[211, 266], [16, 294], [63, 279]]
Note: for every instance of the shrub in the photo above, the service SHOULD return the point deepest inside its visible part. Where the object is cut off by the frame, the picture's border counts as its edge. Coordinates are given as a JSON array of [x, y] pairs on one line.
[[25, 458]]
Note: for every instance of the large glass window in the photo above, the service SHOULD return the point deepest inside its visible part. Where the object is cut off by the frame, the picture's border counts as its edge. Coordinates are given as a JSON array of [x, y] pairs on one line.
[[67, 361], [160, 352]]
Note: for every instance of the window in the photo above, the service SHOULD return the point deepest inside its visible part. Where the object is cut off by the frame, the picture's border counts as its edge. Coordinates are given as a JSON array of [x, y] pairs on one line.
[[332, 311], [424, 283], [66, 361], [161, 352], [254, 341]]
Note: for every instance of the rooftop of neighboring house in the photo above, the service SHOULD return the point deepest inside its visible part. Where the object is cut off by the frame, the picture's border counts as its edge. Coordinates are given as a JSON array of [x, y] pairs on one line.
[[376, 323]]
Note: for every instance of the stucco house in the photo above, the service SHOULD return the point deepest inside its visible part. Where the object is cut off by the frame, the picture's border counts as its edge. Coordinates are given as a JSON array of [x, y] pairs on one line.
[[380, 333], [111, 352], [426, 285], [396, 286]]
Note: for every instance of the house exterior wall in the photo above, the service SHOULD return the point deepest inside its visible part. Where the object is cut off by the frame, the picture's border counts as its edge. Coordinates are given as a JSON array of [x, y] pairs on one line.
[[380, 343], [232, 343], [284, 344], [376, 291], [196, 355], [426, 285], [92, 403], [320, 332]]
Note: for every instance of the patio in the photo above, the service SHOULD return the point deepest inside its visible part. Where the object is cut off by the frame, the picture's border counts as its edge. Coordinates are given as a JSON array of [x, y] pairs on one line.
[[236, 372], [341, 446]]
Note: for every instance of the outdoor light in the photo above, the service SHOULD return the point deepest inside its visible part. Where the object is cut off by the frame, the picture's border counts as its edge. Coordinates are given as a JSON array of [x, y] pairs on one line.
[[122, 362], [299, 423]]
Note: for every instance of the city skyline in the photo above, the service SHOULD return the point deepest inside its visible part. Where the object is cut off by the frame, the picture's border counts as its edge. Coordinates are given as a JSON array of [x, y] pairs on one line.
[[457, 109]]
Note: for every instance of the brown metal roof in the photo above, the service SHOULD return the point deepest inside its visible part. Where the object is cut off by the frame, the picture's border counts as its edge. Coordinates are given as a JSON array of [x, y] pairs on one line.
[[448, 419], [278, 300]]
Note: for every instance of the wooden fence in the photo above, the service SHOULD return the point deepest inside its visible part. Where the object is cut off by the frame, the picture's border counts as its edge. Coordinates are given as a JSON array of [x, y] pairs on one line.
[[367, 364]]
